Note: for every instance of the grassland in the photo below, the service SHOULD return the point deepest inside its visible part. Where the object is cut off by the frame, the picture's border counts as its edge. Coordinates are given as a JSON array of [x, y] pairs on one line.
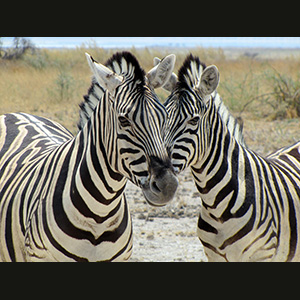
[[263, 89]]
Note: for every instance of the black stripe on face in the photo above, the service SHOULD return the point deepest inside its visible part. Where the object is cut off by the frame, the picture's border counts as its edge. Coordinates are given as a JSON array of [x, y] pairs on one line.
[[139, 161]]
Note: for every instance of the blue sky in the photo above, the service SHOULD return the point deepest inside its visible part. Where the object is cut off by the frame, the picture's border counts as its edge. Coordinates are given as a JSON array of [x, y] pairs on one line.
[[265, 42]]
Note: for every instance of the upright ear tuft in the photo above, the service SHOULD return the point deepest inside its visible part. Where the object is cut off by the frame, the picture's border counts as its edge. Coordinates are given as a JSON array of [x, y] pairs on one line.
[[209, 80], [190, 72], [105, 77], [161, 73], [125, 64]]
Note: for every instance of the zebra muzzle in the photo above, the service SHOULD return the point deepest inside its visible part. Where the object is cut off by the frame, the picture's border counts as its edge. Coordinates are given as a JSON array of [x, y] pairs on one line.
[[162, 184]]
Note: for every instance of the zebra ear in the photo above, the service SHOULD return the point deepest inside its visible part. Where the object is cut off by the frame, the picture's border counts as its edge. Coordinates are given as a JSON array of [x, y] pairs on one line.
[[209, 80], [156, 61], [161, 73], [105, 77], [169, 85]]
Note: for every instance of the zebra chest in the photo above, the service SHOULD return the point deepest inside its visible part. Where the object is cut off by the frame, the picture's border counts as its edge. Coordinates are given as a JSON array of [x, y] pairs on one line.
[[236, 239], [69, 236]]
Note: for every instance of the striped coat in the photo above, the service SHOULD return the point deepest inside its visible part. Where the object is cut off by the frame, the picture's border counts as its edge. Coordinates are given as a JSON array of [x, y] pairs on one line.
[[61, 197], [250, 204]]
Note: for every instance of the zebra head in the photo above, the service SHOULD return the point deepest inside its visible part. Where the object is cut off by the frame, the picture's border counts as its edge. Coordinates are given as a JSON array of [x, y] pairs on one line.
[[186, 107], [135, 123]]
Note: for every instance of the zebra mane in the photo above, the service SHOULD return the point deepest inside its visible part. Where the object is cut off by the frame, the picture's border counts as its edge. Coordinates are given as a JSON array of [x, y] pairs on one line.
[[122, 63], [125, 64], [190, 72], [91, 100]]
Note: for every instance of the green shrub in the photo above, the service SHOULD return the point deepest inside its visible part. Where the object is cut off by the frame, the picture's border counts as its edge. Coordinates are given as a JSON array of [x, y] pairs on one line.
[[238, 92], [63, 87], [285, 94]]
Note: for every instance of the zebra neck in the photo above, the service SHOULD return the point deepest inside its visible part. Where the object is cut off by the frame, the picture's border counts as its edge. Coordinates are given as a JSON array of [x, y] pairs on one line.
[[213, 173], [93, 190], [234, 125], [95, 164]]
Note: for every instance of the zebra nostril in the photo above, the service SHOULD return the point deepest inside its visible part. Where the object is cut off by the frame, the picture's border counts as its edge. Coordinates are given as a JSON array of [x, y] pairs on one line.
[[154, 187]]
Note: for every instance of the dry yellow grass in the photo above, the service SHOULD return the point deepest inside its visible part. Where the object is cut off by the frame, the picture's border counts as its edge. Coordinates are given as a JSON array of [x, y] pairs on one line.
[[29, 89], [32, 85]]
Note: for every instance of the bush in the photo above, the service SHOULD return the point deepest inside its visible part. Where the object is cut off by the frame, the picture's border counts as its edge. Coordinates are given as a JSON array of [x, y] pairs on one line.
[[39, 60], [63, 87], [20, 47], [286, 94], [239, 92]]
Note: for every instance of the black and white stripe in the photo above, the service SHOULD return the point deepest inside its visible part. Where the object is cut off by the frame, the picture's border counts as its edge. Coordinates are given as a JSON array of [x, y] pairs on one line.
[[250, 204], [61, 197], [234, 125]]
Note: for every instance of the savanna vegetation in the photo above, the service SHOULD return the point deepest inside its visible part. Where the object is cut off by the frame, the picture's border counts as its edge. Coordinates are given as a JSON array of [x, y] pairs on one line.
[[264, 91]]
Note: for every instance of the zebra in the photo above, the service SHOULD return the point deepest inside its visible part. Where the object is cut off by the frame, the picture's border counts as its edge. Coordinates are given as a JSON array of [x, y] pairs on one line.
[[250, 204], [158, 76], [62, 196], [234, 125]]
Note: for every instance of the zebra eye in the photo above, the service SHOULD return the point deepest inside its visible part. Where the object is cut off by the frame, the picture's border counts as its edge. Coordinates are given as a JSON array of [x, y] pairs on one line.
[[194, 121], [124, 122]]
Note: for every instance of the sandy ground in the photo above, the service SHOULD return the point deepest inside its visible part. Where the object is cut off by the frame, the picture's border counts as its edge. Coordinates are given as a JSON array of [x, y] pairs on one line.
[[166, 234]]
